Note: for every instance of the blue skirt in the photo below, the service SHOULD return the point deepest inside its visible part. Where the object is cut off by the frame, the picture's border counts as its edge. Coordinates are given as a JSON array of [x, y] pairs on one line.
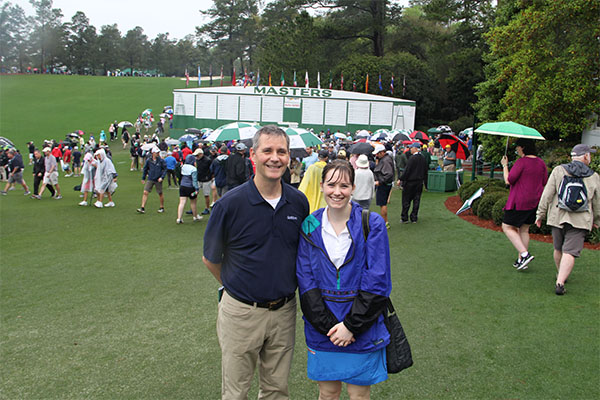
[[357, 369]]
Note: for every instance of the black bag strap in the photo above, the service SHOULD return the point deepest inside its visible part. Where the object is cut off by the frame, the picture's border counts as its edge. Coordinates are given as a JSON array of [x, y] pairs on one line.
[[365, 223]]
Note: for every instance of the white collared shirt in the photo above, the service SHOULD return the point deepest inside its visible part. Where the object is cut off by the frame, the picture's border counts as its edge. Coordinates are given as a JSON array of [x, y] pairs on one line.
[[337, 246]]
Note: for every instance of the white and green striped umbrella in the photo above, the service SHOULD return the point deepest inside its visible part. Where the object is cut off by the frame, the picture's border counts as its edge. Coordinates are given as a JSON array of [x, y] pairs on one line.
[[233, 131], [301, 138]]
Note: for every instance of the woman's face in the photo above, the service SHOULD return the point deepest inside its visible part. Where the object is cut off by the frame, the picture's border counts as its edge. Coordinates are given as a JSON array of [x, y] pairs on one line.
[[519, 151], [337, 189]]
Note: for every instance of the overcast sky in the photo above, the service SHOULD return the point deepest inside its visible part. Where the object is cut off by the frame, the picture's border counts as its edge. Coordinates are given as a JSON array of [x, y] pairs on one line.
[[177, 17]]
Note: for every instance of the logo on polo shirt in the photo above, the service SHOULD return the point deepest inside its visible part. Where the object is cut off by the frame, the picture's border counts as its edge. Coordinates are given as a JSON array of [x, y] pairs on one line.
[[292, 217]]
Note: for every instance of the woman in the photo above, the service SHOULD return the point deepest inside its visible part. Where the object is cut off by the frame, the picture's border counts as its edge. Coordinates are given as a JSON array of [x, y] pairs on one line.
[[105, 179], [87, 185], [344, 284], [527, 179], [188, 188]]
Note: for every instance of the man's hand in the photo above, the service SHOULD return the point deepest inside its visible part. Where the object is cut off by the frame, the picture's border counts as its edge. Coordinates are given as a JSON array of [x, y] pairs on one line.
[[340, 335], [376, 183], [538, 223], [160, 179], [143, 182]]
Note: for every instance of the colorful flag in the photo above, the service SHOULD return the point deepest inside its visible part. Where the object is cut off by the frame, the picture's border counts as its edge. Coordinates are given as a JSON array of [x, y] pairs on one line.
[[258, 77], [367, 84], [221, 75], [199, 77], [403, 85], [245, 77], [233, 77], [306, 79], [269, 78], [318, 80], [210, 74], [342, 82], [380, 87], [330, 80], [187, 78], [392, 85], [295, 82], [282, 79]]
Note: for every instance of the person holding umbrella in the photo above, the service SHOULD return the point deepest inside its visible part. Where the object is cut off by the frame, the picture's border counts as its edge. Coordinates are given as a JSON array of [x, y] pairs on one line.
[[449, 164], [527, 179]]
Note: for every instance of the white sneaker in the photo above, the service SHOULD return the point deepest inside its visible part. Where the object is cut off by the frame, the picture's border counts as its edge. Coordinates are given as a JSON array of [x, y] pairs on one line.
[[197, 218], [98, 204], [57, 197], [110, 204], [83, 203]]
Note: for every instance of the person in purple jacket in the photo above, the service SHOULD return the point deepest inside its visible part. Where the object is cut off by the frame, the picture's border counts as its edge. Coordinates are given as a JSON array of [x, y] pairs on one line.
[[527, 179]]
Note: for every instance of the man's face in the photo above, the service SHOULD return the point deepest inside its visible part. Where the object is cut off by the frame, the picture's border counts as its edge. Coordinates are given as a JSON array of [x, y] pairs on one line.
[[380, 154], [309, 150], [414, 150], [271, 157], [37, 154], [10, 154]]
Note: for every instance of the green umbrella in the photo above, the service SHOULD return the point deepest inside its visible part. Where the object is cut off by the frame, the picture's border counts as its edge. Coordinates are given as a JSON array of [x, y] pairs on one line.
[[433, 130], [509, 129], [233, 131], [301, 138]]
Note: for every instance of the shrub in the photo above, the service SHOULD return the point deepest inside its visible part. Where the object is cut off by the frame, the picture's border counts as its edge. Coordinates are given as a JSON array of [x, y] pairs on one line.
[[498, 209], [469, 188], [544, 230], [484, 209], [594, 236], [465, 187]]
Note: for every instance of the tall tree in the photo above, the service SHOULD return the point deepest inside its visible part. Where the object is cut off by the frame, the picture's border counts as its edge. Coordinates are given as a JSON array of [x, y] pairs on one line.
[[110, 48], [135, 46], [48, 33], [231, 20], [82, 44], [14, 35], [544, 66]]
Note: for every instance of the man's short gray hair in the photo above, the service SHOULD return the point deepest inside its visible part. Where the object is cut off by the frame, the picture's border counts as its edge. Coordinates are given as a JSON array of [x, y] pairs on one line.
[[271, 130]]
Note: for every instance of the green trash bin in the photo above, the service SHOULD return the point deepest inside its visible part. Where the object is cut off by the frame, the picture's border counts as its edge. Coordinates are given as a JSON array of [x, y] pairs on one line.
[[440, 181]]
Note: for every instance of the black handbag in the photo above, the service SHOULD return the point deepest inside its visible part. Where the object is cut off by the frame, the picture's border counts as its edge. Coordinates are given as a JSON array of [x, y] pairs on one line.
[[398, 352]]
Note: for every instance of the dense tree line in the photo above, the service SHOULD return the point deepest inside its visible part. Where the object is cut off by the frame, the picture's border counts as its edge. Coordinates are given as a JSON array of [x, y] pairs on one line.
[[535, 62]]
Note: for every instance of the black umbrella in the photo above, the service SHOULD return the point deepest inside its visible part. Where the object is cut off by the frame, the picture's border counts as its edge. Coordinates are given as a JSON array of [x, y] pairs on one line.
[[194, 131], [361, 148]]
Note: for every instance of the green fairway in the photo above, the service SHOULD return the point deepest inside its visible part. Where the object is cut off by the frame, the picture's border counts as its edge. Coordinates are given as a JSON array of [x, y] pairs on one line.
[[111, 304]]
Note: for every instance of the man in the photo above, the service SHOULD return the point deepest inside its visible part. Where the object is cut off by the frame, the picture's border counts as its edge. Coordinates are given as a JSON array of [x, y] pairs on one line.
[[235, 168], [76, 161], [250, 246], [569, 228], [50, 174], [204, 177], [155, 170], [38, 173], [384, 178], [401, 159], [413, 178], [217, 168], [66, 164], [311, 182], [310, 159], [16, 167], [171, 165], [449, 159]]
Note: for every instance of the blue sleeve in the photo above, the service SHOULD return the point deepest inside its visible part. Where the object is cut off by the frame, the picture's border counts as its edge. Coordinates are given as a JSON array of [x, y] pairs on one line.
[[214, 235], [376, 278], [304, 273], [195, 180]]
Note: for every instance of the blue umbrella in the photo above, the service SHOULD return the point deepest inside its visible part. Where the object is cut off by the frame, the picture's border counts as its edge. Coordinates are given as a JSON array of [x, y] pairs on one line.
[[188, 138]]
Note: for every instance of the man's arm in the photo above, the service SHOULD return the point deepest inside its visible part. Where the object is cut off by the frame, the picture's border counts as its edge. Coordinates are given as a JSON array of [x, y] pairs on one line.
[[214, 269]]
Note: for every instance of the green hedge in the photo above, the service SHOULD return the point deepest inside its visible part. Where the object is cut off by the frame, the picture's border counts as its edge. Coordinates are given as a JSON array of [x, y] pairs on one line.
[[498, 209], [484, 209], [467, 189]]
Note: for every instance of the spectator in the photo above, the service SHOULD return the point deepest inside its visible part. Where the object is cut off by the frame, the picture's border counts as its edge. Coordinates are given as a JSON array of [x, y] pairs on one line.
[[105, 179], [311, 182], [527, 179], [384, 178], [188, 189], [204, 177], [413, 179], [569, 228], [87, 185], [217, 168], [364, 183], [449, 159], [15, 175], [38, 173], [76, 161], [155, 170], [236, 169], [50, 174], [171, 165]]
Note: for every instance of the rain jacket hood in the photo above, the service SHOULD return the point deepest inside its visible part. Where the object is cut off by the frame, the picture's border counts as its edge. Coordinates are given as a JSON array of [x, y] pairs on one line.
[[579, 169]]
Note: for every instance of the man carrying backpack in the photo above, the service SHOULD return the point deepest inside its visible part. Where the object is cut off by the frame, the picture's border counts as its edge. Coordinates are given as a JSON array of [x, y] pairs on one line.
[[571, 203]]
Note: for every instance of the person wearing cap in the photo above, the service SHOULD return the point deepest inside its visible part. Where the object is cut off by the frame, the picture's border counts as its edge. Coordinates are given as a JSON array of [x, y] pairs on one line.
[[311, 182], [449, 163], [384, 178], [526, 179], [364, 182], [413, 178], [171, 165], [236, 169], [569, 228], [105, 178], [250, 247], [155, 169], [205, 176], [217, 168], [16, 167], [50, 174]]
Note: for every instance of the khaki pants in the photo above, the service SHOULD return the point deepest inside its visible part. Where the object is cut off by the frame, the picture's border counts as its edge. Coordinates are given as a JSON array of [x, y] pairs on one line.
[[248, 335], [450, 168]]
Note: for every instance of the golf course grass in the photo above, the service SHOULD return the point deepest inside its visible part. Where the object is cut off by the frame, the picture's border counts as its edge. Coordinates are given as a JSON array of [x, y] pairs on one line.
[[109, 303]]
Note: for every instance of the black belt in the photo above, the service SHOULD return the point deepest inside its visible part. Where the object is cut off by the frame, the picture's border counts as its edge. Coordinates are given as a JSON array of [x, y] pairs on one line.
[[271, 305]]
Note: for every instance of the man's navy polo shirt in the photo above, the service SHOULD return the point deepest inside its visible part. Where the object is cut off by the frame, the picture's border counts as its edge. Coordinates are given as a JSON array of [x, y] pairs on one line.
[[256, 244]]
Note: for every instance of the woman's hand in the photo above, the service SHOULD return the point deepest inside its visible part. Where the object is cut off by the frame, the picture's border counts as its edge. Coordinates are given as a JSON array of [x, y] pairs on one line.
[[504, 161], [340, 335]]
